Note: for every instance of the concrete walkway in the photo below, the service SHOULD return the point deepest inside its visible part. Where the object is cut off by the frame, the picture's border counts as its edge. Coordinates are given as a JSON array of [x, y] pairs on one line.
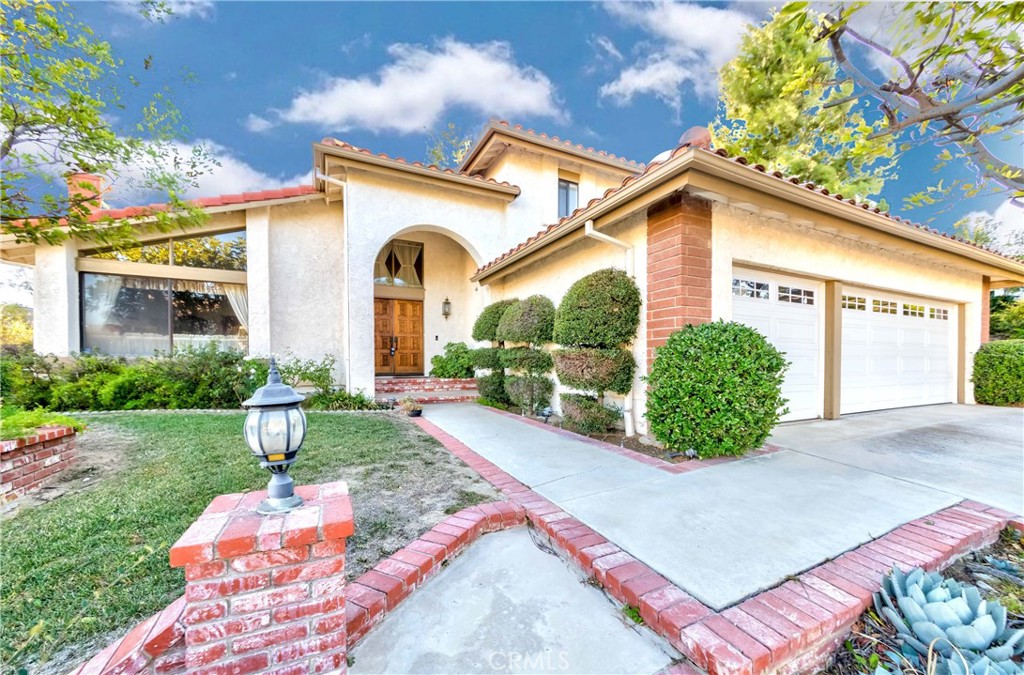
[[505, 606], [721, 533]]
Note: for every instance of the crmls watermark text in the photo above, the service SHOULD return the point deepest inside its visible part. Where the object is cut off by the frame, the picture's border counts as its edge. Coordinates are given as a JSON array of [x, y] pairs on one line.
[[537, 662]]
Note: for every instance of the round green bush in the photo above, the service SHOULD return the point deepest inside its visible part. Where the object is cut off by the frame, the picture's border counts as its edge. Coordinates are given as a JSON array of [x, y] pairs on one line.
[[486, 325], [487, 358], [457, 361], [530, 320], [527, 359], [999, 373], [600, 310], [586, 414], [715, 389], [529, 392], [597, 370], [492, 387]]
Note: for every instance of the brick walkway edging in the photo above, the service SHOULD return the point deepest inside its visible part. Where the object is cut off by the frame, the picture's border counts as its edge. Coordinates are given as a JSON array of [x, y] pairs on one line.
[[792, 628]]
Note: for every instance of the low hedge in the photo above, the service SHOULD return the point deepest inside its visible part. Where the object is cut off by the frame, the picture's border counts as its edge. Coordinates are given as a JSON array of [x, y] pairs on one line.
[[586, 414], [486, 325], [594, 369], [526, 359], [492, 387], [999, 373], [530, 392], [487, 358], [530, 321], [600, 310], [715, 389]]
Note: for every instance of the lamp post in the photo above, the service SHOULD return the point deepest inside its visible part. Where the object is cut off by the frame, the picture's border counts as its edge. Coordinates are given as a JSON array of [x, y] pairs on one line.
[[274, 431]]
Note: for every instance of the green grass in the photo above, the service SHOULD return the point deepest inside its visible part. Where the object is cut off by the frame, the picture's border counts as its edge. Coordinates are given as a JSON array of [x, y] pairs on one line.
[[101, 555]]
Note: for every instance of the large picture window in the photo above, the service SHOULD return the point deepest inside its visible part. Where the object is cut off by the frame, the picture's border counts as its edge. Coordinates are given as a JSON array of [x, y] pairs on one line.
[[400, 263], [213, 252], [139, 316]]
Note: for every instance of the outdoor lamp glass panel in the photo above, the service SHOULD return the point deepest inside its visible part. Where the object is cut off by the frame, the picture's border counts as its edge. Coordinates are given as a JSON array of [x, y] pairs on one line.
[[446, 308]]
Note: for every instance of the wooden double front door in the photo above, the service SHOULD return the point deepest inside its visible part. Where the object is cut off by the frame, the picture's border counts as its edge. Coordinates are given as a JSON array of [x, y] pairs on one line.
[[398, 336]]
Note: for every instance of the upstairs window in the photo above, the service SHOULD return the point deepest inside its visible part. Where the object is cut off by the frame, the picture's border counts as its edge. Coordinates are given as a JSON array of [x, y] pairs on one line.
[[568, 197]]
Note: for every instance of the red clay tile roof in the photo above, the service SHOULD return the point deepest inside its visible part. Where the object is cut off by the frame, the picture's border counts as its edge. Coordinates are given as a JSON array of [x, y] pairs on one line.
[[420, 165], [569, 145], [206, 202], [653, 166]]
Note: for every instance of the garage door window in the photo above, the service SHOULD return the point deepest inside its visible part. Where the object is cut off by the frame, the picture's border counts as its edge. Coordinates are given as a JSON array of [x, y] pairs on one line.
[[883, 307], [913, 310], [855, 302], [750, 289], [798, 296], [938, 313]]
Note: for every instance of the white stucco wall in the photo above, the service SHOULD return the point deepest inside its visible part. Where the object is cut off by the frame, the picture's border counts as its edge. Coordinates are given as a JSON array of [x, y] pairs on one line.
[[552, 276], [739, 237], [306, 281], [55, 300]]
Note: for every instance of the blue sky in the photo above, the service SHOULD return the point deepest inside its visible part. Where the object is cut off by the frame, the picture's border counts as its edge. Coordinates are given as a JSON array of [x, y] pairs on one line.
[[272, 77]]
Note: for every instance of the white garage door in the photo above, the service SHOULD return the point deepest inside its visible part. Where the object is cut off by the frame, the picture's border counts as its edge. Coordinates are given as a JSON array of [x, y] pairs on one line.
[[897, 351], [787, 311]]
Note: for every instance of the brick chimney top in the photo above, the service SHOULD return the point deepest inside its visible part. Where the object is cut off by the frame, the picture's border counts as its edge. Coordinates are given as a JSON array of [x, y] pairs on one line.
[[88, 188]]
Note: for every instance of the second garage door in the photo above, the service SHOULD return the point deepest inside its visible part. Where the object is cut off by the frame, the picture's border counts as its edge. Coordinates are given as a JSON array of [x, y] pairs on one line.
[[897, 351]]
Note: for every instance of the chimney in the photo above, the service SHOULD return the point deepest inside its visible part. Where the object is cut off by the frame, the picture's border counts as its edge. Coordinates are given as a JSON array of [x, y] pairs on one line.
[[86, 189]]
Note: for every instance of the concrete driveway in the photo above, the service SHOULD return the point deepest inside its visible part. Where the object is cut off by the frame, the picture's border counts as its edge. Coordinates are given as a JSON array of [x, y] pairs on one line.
[[973, 452]]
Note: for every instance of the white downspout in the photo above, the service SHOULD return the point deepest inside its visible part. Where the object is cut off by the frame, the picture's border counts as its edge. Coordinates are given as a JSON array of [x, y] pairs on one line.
[[589, 231]]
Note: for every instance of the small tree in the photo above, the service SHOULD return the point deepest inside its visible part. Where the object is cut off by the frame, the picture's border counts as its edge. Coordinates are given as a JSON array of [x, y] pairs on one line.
[[57, 120], [528, 322], [491, 383], [599, 314]]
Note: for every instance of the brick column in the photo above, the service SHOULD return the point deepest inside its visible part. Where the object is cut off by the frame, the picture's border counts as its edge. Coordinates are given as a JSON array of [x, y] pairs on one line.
[[265, 594], [678, 267]]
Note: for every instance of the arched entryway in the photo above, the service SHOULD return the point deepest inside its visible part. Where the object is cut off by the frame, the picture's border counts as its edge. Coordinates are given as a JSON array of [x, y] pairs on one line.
[[422, 299]]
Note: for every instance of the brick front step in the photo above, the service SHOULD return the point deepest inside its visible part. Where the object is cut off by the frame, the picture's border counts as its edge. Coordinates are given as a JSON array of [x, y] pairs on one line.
[[395, 385], [431, 396]]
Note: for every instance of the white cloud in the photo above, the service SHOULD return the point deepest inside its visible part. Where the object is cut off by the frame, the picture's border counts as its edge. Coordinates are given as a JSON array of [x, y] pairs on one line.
[[1007, 226], [178, 9], [421, 84], [605, 45], [689, 43], [257, 124]]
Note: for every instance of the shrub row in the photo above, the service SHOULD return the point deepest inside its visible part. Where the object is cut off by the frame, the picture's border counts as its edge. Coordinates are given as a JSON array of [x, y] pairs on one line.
[[200, 377]]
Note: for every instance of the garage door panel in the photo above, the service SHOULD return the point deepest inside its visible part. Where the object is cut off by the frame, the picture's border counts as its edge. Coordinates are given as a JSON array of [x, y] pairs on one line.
[[897, 351], [790, 319]]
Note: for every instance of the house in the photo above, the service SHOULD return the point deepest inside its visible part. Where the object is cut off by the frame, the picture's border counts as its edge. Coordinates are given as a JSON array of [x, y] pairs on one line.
[[382, 261]]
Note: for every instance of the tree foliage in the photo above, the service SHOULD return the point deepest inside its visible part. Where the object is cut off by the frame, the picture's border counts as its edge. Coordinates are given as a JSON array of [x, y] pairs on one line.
[[485, 328], [530, 321], [600, 310], [15, 326], [781, 106], [1006, 320], [950, 74], [61, 114], [448, 147]]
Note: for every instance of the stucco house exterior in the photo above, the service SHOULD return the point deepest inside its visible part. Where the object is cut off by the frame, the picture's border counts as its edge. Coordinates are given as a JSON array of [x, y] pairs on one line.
[[873, 311]]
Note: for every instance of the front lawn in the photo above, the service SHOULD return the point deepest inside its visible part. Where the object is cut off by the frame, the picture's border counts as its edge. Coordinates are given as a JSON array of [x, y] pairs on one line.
[[94, 561]]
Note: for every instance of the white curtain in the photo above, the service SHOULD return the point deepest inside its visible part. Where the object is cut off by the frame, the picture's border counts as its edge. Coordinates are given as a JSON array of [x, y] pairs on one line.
[[104, 294], [238, 297], [380, 268], [407, 254]]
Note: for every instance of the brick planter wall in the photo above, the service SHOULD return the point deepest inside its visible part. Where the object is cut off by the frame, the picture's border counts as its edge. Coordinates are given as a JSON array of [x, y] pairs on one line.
[[26, 463]]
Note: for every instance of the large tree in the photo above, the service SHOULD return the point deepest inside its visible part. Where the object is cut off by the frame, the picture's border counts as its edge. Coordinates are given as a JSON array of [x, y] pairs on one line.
[[62, 113], [946, 73], [778, 106], [448, 147]]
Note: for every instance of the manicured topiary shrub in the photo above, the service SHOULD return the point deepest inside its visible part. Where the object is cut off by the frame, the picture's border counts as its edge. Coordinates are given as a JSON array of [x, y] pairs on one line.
[[600, 310], [457, 361], [486, 325], [597, 370], [527, 359], [715, 389], [999, 373], [587, 415], [530, 320], [530, 392], [492, 387], [487, 358]]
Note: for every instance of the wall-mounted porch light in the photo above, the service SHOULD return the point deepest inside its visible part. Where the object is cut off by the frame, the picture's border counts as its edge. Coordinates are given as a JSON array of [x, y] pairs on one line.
[[446, 308], [274, 431]]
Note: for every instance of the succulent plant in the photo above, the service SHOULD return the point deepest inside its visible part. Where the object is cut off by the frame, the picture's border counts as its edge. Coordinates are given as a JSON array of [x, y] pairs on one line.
[[931, 613]]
